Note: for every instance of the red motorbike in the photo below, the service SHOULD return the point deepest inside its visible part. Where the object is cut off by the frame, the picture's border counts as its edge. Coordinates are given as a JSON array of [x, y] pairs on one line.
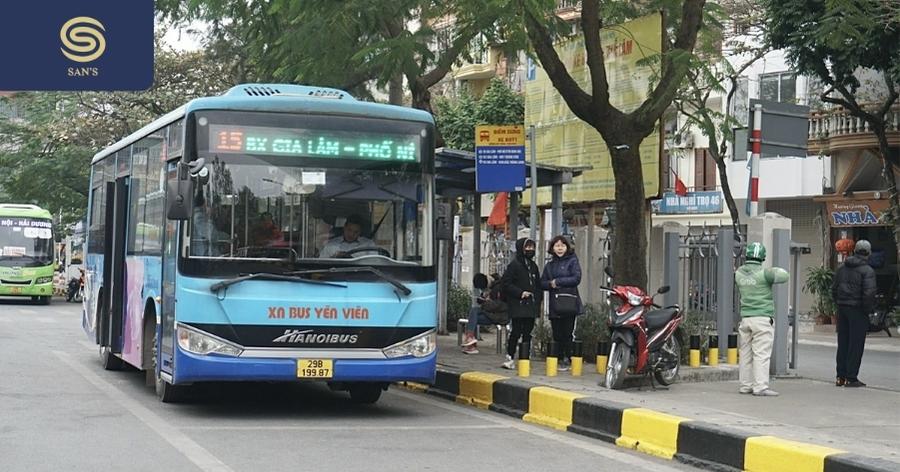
[[643, 340]]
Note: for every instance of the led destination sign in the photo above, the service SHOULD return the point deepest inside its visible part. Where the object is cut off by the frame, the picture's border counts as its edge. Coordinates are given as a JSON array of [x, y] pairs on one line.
[[313, 143]]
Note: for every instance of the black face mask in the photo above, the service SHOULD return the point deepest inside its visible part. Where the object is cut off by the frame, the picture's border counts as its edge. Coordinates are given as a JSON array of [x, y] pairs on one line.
[[529, 253]]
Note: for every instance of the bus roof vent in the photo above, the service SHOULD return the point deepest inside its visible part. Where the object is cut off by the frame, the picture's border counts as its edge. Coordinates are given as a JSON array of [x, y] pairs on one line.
[[16, 206], [260, 90], [288, 90]]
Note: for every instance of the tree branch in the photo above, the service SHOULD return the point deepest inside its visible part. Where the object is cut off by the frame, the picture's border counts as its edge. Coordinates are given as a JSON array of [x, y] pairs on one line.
[[449, 56], [673, 71], [591, 24], [577, 99]]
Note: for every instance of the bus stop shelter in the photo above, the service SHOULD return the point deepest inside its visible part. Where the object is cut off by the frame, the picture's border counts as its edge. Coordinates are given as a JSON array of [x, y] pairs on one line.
[[455, 177]]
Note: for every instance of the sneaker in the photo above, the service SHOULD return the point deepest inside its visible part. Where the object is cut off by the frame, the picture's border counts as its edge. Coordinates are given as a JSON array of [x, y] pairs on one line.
[[854, 383], [510, 363], [745, 390], [840, 382], [469, 340], [766, 393], [470, 349], [563, 367]]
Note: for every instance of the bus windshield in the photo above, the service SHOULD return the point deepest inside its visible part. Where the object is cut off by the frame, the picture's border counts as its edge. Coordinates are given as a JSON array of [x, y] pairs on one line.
[[26, 242], [344, 191]]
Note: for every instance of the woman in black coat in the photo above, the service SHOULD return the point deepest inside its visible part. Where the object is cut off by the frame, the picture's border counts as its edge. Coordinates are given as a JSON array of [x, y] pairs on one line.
[[521, 284], [561, 277]]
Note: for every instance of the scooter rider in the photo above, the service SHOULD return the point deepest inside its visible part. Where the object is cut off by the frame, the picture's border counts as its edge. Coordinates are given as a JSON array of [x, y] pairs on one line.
[[757, 328]]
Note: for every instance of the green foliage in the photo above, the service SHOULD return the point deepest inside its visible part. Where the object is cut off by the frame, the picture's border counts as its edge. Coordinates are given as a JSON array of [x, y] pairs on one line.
[[459, 300], [696, 323], [591, 328], [456, 119], [541, 337], [46, 153], [818, 284]]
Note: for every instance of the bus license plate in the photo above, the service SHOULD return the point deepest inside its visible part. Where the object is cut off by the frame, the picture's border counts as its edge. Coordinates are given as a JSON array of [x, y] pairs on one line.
[[315, 368], [16, 290]]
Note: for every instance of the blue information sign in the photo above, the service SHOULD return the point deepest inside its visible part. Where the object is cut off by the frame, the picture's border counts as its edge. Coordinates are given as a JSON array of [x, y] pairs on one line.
[[692, 203], [77, 45], [499, 168]]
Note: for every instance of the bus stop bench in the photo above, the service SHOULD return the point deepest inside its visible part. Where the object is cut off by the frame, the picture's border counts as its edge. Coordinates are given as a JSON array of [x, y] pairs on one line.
[[501, 333]]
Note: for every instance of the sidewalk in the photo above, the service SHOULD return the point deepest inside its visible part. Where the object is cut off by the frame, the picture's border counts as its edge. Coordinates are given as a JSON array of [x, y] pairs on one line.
[[861, 421], [878, 342]]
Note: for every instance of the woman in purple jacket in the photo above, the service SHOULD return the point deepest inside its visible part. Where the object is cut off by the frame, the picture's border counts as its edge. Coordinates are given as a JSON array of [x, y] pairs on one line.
[[561, 277]]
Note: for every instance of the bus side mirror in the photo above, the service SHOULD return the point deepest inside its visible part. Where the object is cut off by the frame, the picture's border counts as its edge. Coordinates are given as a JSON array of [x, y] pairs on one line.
[[179, 193], [443, 230]]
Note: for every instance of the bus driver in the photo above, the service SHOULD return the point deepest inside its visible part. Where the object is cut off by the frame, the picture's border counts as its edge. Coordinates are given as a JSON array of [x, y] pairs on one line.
[[349, 240]]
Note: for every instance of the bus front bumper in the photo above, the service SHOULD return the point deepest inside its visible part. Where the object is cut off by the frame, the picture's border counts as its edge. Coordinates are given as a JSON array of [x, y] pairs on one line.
[[196, 368], [34, 290]]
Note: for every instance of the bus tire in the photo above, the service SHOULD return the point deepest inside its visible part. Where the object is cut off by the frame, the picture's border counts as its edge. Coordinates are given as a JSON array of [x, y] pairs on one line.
[[108, 360], [165, 392], [365, 393], [45, 300]]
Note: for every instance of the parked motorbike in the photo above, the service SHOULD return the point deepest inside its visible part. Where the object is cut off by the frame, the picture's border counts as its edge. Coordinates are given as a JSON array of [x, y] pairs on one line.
[[879, 319], [75, 290], [643, 340]]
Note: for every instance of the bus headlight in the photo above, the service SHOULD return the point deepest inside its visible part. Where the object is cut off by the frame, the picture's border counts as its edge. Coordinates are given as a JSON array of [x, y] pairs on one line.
[[203, 344], [419, 346], [43, 280]]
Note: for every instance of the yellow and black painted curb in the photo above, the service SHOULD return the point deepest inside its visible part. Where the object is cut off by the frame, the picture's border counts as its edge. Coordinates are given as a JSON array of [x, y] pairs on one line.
[[671, 437]]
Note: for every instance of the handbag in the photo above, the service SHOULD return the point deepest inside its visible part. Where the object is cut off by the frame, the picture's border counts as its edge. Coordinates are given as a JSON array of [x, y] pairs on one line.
[[565, 304]]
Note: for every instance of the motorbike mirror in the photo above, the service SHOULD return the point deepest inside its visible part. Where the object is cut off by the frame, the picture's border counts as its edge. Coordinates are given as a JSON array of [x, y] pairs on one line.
[[609, 272], [663, 289]]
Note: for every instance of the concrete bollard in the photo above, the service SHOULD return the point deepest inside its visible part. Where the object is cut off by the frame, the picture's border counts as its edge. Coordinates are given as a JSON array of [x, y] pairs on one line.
[[553, 360], [524, 365], [695, 350], [577, 358], [713, 358], [602, 356], [732, 348]]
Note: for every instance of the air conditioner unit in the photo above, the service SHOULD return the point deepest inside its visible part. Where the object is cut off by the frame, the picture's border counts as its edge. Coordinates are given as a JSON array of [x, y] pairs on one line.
[[685, 139]]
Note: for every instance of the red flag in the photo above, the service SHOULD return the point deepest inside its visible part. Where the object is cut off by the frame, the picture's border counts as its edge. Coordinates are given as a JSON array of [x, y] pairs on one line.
[[680, 188], [499, 211]]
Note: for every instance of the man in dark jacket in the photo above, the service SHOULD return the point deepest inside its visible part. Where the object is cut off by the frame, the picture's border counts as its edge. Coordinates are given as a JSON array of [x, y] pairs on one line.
[[853, 290], [521, 284]]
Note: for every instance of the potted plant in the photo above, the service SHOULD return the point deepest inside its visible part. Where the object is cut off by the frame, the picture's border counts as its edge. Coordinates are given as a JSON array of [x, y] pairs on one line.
[[818, 284]]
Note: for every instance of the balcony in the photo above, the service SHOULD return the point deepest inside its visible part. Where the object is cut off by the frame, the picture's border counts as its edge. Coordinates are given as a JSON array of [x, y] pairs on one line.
[[568, 10], [475, 72], [835, 130]]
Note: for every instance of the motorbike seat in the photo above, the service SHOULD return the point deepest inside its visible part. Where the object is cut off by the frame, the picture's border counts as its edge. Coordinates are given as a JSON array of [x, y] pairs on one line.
[[658, 318]]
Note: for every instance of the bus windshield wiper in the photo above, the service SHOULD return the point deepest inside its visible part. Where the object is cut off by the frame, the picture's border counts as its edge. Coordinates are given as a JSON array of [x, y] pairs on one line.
[[269, 276], [351, 270]]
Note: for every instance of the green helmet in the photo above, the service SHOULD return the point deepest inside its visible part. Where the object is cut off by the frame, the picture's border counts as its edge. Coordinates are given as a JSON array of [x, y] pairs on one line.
[[756, 251]]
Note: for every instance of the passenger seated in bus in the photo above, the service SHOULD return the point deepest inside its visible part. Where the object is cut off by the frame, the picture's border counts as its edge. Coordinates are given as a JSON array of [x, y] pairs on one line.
[[265, 232], [349, 240]]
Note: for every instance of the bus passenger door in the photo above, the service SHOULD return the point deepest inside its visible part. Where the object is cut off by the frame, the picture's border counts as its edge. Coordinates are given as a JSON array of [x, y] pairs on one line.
[[169, 263], [112, 313]]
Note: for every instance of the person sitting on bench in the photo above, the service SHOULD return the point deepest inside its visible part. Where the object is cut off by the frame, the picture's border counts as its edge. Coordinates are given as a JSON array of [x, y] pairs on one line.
[[489, 309]]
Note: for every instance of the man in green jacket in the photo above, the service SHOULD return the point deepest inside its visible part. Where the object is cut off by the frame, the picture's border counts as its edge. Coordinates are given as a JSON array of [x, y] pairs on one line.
[[757, 328]]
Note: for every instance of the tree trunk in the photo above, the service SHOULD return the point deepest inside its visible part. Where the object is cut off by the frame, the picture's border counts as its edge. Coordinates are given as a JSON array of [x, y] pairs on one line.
[[889, 157], [729, 198], [395, 90], [421, 100], [632, 210]]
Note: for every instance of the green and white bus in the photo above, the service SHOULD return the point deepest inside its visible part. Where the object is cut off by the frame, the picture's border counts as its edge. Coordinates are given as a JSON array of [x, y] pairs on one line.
[[26, 252]]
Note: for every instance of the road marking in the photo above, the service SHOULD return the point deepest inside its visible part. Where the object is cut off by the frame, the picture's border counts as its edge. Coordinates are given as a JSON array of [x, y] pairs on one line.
[[28, 311], [194, 452], [344, 428], [567, 439]]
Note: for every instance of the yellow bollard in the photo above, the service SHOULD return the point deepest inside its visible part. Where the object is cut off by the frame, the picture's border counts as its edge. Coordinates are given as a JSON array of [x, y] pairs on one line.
[[602, 357], [732, 349], [524, 365], [695, 350], [552, 365], [577, 360], [713, 358]]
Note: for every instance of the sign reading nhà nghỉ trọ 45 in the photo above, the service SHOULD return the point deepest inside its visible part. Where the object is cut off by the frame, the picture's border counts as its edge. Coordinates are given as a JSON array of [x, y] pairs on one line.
[[857, 213]]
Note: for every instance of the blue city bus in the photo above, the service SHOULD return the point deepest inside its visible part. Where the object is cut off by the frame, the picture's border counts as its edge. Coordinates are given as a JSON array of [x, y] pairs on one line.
[[274, 233]]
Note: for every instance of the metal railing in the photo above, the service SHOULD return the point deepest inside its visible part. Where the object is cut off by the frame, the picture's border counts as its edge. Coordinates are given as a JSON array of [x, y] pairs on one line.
[[839, 122]]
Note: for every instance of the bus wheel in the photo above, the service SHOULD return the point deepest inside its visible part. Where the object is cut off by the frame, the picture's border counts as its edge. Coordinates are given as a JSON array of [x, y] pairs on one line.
[[365, 393], [108, 360], [166, 392], [45, 300]]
